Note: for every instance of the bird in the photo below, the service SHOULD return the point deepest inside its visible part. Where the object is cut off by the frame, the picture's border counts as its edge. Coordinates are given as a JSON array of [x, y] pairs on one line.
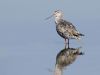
[[65, 28]]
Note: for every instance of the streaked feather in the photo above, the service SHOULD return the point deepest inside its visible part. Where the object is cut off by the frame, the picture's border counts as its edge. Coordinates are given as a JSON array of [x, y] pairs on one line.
[[67, 30]]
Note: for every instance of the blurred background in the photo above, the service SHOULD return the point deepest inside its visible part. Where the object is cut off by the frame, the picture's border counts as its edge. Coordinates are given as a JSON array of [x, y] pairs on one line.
[[29, 43]]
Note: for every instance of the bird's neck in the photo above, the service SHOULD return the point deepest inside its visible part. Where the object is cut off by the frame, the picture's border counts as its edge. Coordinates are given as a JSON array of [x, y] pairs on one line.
[[58, 19]]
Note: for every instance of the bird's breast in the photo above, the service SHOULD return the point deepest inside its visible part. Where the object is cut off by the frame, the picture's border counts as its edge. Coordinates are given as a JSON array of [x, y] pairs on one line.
[[61, 31]]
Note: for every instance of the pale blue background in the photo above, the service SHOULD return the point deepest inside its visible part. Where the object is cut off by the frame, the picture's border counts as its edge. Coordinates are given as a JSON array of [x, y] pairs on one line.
[[29, 44]]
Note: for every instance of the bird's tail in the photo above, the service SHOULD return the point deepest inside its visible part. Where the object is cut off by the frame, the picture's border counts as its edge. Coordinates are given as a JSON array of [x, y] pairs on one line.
[[78, 35], [81, 34], [58, 70]]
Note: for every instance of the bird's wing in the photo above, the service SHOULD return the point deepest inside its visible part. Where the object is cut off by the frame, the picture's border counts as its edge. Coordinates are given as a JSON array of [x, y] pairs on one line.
[[71, 28]]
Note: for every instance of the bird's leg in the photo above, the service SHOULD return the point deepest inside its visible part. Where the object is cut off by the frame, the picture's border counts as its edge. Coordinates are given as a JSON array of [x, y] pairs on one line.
[[68, 43], [65, 43]]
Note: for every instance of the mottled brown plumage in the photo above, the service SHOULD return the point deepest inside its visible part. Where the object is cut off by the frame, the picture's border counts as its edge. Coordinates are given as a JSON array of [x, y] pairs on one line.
[[65, 28]]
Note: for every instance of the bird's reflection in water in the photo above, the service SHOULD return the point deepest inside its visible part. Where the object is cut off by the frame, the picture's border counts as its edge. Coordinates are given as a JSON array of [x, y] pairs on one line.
[[66, 57]]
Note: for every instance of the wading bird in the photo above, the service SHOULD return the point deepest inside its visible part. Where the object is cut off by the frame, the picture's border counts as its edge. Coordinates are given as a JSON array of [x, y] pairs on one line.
[[65, 28]]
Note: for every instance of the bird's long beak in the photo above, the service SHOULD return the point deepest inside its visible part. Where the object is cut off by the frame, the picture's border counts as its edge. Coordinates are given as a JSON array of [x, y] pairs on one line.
[[49, 17]]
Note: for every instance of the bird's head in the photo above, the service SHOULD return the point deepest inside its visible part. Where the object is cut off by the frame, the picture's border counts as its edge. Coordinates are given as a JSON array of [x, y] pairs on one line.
[[58, 14]]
